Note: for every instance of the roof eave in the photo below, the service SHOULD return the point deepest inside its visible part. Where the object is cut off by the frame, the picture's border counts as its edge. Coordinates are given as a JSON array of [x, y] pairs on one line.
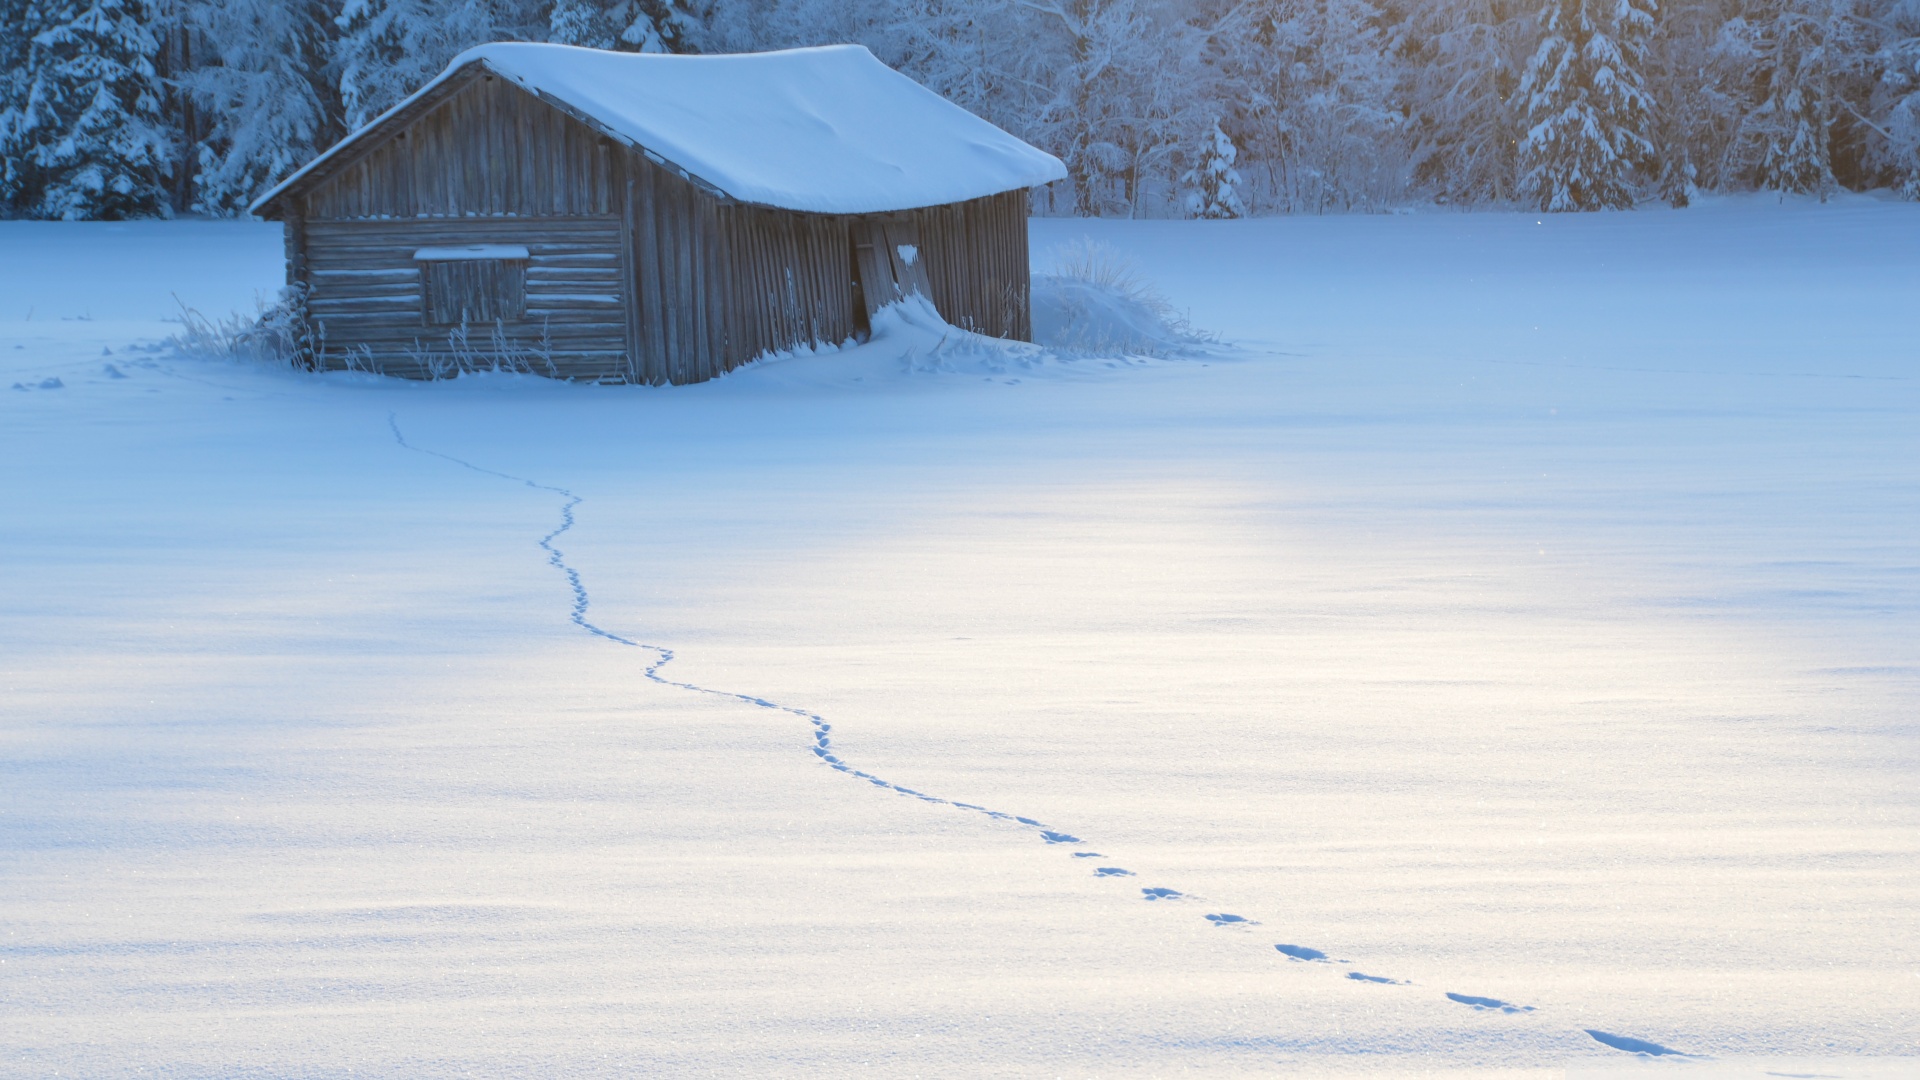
[[375, 132], [358, 144]]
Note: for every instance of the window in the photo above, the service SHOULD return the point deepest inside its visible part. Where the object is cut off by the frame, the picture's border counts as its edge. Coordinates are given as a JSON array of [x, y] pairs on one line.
[[478, 284]]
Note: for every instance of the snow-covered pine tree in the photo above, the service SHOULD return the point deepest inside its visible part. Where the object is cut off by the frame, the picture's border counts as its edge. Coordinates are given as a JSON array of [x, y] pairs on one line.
[[656, 26], [262, 81], [84, 138], [1314, 86], [1213, 183], [14, 44], [1794, 116], [1691, 115], [1896, 99], [579, 22], [1117, 74], [968, 51], [1586, 106], [1458, 65], [386, 49]]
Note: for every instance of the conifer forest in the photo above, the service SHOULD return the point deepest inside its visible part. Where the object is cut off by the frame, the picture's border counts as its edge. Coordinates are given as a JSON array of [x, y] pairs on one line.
[[1160, 108]]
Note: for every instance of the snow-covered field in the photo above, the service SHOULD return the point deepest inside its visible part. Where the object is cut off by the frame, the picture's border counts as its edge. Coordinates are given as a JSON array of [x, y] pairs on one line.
[[1523, 609]]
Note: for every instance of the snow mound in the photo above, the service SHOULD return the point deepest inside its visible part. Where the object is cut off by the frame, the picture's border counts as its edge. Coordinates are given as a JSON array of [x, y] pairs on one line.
[[1093, 301], [1099, 327], [1092, 309]]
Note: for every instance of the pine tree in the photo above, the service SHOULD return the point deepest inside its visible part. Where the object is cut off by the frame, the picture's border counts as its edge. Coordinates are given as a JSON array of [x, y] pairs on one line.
[[83, 137], [267, 91], [1587, 110], [655, 26], [1897, 99], [1317, 89], [1795, 113], [387, 49], [579, 22], [1213, 182], [15, 175], [1459, 66], [1690, 113]]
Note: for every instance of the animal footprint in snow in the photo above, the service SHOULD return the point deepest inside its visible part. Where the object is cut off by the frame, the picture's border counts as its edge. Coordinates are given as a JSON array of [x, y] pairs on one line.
[[1111, 871], [1301, 952], [1231, 920], [1052, 837], [1162, 894], [1088, 855], [1632, 1045], [1381, 979], [1487, 1004]]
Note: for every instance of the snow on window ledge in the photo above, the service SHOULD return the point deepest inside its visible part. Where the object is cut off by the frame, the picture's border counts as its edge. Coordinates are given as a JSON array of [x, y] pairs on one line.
[[468, 252]]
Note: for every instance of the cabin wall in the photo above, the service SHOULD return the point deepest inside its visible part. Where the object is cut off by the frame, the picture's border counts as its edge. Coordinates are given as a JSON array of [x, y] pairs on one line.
[[680, 281], [720, 283], [791, 281], [491, 164], [976, 260], [366, 301]]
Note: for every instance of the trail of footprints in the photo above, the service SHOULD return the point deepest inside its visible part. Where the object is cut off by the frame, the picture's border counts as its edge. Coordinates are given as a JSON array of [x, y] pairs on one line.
[[824, 751]]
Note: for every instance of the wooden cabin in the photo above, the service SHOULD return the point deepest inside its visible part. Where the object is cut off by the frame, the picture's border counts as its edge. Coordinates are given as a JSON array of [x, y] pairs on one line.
[[620, 217]]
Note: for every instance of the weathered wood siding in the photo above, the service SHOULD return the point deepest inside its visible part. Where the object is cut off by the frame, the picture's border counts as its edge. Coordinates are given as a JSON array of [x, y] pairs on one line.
[[680, 283], [976, 259], [489, 164], [365, 297], [489, 149], [791, 281]]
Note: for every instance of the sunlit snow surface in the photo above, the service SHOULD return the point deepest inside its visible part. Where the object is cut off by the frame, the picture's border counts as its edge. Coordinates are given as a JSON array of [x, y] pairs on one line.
[[1521, 625]]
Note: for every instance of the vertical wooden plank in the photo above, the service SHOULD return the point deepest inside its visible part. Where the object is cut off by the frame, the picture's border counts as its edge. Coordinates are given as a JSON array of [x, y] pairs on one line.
[[1019, 263], [693, 295], [759, 283], [699, 218], [629, 302], [646, 279], [722, 282], [669, 217], [719, 287]]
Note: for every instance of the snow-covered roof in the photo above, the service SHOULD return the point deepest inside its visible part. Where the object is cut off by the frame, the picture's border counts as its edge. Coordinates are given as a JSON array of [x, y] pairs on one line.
[[827, 130]]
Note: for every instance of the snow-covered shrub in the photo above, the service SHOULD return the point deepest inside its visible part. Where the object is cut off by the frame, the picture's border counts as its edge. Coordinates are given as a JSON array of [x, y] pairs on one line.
[[1213, 183], [278, 334], [1094, 300]]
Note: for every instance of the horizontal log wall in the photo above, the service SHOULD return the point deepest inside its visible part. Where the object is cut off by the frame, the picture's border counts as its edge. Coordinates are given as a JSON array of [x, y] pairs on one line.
[[365, 299]]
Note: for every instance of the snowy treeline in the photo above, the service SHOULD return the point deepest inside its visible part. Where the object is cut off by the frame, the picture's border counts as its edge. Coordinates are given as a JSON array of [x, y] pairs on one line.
[[1215, 108]]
